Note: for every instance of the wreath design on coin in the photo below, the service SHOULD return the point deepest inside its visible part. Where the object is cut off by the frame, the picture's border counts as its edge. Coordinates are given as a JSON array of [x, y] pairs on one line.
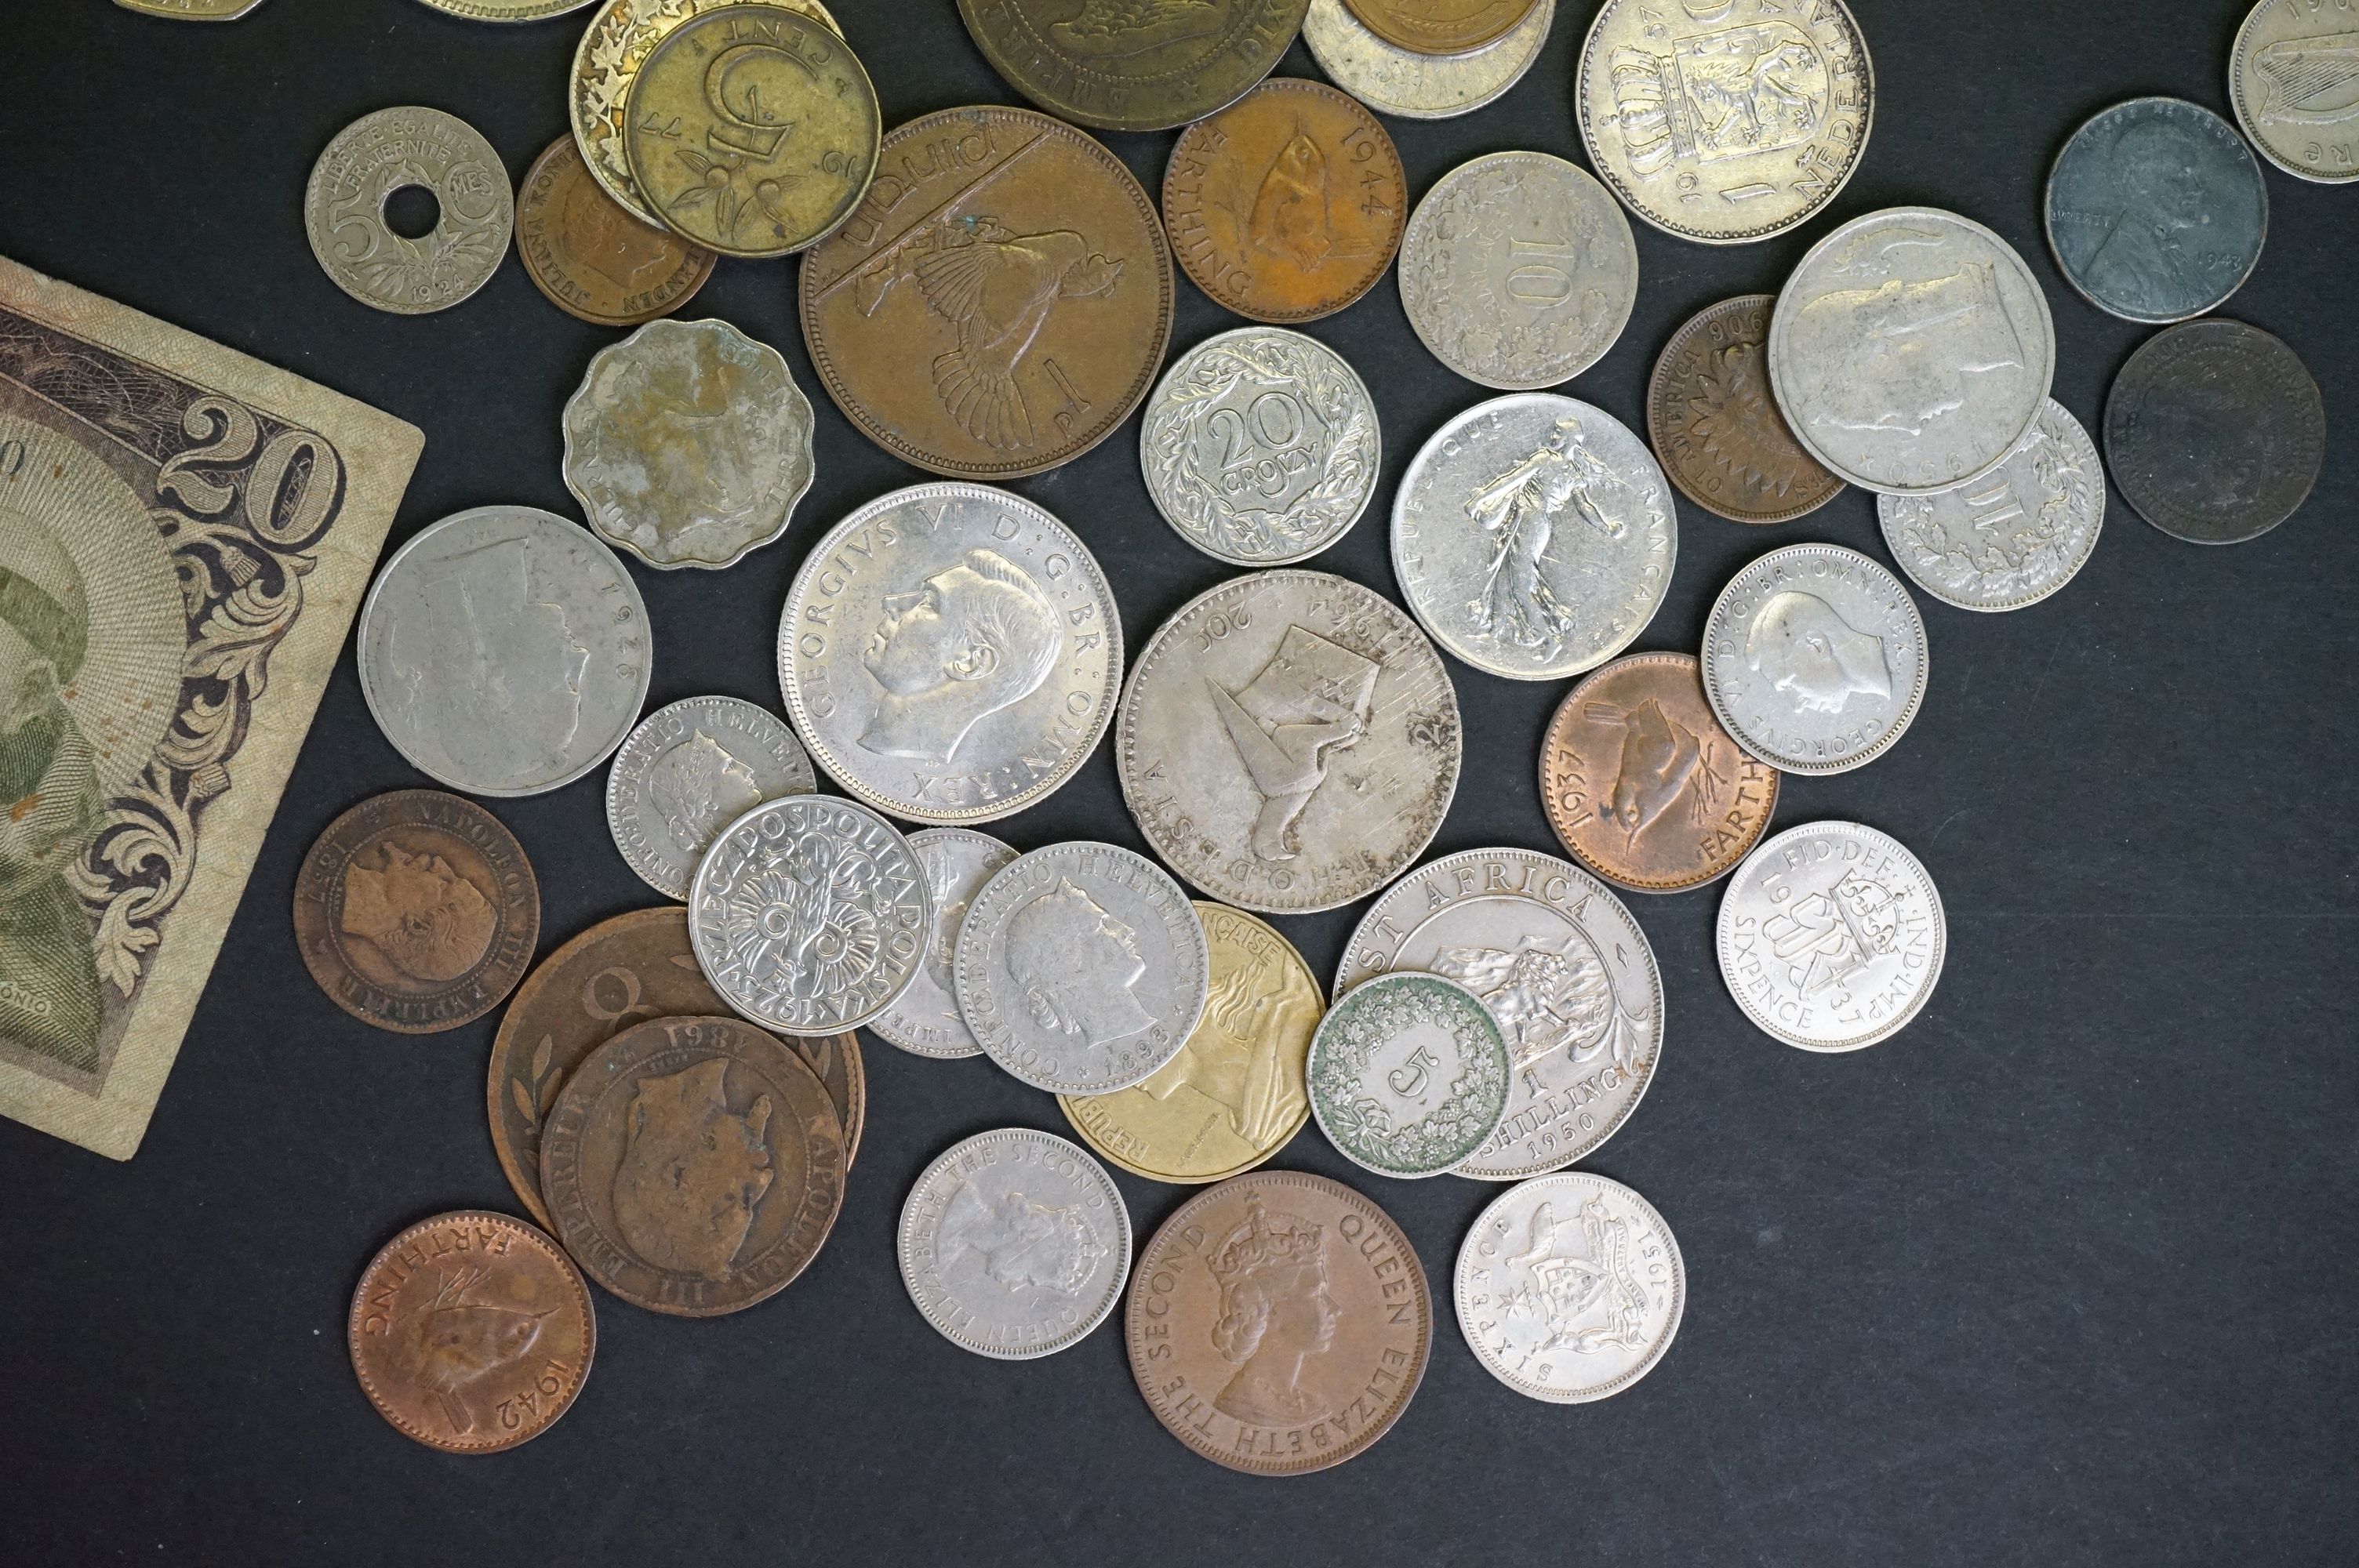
[[1342, 1060], [2001, 566]]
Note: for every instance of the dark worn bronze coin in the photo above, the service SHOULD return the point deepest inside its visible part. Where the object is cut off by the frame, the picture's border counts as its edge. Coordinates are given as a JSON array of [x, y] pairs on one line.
[[998, 302], [693, 1165], [592, 258], [1134, 65], [1716, 427], [2215, 432], [1286, 205], [1445, 26], [472, 1332], [619, 973], [416, 911]]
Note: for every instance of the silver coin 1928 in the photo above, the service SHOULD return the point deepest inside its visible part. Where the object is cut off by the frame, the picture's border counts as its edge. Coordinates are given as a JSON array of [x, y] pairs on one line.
[[1534, 535], [1408, 1075], [399, 149], [1394, 80], [688, 771], [2013, 537], [924, 1020], [2290, 79]]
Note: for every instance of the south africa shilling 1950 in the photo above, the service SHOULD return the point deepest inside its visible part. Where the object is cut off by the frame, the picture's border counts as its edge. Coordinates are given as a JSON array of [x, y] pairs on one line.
[[399, 149], [2215, 431], [2293, 79], [1441, 26], [1725, 121], [593, 259], [2156, 210], [690, 769], [1408, 1075], [752, 129], [1132, 65], [1716, 427], [924, 1020], [2013, 537], [1395, 80]]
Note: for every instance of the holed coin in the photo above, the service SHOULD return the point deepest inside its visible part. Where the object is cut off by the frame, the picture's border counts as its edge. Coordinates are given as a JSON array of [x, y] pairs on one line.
[[1408, 1075], [924, 1020], [1394, 80], [2155, 209], [1131, 66], [2215, 432], [396, 149], [1441, 26], [2293, 79], [690, 769], [2011, 537], [1014, 1244], [595, 259], [1716, 427]]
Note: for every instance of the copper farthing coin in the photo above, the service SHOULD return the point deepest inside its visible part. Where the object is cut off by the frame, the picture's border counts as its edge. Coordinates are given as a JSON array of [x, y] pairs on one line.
[[1715, 426]]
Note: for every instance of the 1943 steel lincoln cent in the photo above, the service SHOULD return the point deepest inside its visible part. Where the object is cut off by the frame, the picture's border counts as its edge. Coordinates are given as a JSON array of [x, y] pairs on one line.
[[2215, 432], [688, 771], [399, 149], [2014, 536], [2293, 78], [1132, 65], [1394, 80], [1716, 426], [924, 1020], [1410, 1074], [2155, 209]]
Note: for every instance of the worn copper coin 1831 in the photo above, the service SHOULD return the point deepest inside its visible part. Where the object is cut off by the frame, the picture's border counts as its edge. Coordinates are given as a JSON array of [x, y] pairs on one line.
[[1716, 427], [1132, 65], [1441, 26], [2215, 431], [591, 258]]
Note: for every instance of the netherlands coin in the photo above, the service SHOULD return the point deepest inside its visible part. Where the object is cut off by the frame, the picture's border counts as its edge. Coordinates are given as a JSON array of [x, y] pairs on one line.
[[924, 1020], [2215, 432], [506, 10], [1725, 129], [1261, 447], [1534, 535], [1441, 26], [688, 771], [951, 653], [1518, 271], [1082, 968], [472, 1332], [1642, 783], [1716, 427], [416, 911], [2011, 537], [808, 915], [1134, 65], [1014, 1244], [1814, 659], [2293, 77], [396, 149], [1563, 969], [1394, 80], [1234, 1096], [2155, 209], [1570, 1288], [1289, 742], [503, 651], [1408, 1075], [1830, 936], [1911, 350], [1279, 1323], [592, 258]]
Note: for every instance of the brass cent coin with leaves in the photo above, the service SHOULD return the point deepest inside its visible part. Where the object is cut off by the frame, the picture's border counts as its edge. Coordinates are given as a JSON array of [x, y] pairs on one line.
[[1133, 65]]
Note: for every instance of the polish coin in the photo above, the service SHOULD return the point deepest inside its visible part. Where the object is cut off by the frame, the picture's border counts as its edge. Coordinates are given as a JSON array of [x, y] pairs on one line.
[[1394, 80], [503, 651], [1518, 271], [399, 149], [1133, 65], [1911, 350], [1410, 1074], [2155, 209], [688, 444], [1832, 936], [1289, 742], [1534, 535], [1261, 447], [1570, 1288], [2014, 536], [2293, 78], [1566, 973], [951, 653], [1814, 659], [595, 259], [688, 771], [2215, 432], [1014, 1244], [1716, 427], [808, 915], [924, 1020]]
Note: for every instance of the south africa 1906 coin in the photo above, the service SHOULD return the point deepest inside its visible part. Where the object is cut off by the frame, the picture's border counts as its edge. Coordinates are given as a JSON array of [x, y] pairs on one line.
[[1014, 1244], [1518, 271], [1716, 427], [1814, 659], [1410, 1074], [1830, 936], [2215, 432], [503, 651], [951, 653], [2293, 79], [1570, 1288], [593, 259], [1289, 742], [2014, 536], [1534, 535], [1911, 350], [416, 911], [2155, 209], [1441, 26], [924, 1020], [397, 149], [1261, 447], [1279, 1323], [688, 771], [1394, 80], [808, 913], [1135, 65]]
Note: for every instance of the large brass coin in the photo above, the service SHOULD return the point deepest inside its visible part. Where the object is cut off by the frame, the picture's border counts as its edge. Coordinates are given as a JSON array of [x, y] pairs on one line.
[[593, 259], [998, 303], [1441, 26], [753, 131], [1133, 65]]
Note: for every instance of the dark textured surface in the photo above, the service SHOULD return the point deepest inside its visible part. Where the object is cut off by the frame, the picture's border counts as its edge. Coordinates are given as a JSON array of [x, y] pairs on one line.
[[2062, 1274]]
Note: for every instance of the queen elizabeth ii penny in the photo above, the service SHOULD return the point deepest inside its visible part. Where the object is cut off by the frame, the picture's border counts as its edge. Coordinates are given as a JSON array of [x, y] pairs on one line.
[[924, 1020], [690, 769], [595, 259], [1441, 26], [1714, 425], [1279, 1323], [416, 912], [693, 1165]]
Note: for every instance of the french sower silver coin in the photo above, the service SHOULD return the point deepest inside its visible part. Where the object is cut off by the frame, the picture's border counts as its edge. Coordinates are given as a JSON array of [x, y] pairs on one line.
[[1408, 1075], [924, 1020], [2013, 537], [688, 771], [396, 149]]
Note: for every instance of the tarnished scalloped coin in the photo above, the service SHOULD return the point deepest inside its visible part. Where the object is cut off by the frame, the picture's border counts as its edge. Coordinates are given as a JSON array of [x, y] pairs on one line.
[[2013, 537], [399, 149], [1134, 65], [1408, 1075], [2293, 79], [924, 1020], [2157, 210], [1394, 80], [688, 771]]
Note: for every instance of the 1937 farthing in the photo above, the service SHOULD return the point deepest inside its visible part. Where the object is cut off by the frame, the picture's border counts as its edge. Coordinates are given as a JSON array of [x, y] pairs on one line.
[[687, 772]]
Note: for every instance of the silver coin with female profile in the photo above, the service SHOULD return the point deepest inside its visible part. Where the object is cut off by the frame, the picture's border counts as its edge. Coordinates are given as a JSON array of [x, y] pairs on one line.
[[2157, 210], [1408, 1075], [688, 771], [2293, 79], [1534, 535], [1814, 659], [1394, 80], [924, 1020], [503, 651], [1082, 968], [949, 653], [2013, 537], [1564, 970], [1260, 447]]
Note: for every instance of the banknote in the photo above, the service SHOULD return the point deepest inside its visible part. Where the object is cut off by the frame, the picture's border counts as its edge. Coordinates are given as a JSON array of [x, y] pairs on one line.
[[185, 534]]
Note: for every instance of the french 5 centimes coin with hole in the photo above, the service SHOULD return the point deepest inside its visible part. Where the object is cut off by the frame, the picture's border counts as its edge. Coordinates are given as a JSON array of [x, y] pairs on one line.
[[1715, 426], [690, 769], [1279, 1323], [2011, 537], [1132, 65], [924, 1020], [595, 259], [395, 149], [1830, 936], [1441, 26], [472, 1332], [2292, 82], [2215, 432], [1409, 1073], [2155, 209], [1394, 80], [1014, 1244], [1570, 1288], [615, 976], [1643, 785], [416, 911]]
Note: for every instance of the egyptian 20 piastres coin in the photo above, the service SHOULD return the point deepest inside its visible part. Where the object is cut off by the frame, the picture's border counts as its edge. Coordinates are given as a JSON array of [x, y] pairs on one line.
[[690, 769]]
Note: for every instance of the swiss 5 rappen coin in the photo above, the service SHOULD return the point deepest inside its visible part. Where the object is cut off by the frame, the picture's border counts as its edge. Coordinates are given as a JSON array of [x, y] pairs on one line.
[[2155, 209], [395, 149], [2013, 537], [2215, 431], [688, 771], [924, 1019], [1408, 1075]]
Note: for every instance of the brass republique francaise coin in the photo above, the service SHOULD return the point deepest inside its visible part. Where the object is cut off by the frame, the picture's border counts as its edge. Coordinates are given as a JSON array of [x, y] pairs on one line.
[[593, 258], [1718, 432], [1133, 65]]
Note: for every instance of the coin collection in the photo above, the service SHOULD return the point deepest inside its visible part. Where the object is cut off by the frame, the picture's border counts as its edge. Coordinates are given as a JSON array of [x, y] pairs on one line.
[[678, 1094]]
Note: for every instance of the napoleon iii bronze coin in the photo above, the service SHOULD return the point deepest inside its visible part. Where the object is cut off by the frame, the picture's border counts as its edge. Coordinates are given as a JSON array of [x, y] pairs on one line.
[[2215, 431]]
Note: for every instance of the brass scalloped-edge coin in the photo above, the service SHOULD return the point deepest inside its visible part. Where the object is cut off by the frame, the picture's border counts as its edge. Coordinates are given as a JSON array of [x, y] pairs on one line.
[[472, 1332], [1441, 26], [1133, 65], [1409, 1073], [191, 10], [403, 148], [595, 259], [1718, 431], [504, 10], [1279, 1323]]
